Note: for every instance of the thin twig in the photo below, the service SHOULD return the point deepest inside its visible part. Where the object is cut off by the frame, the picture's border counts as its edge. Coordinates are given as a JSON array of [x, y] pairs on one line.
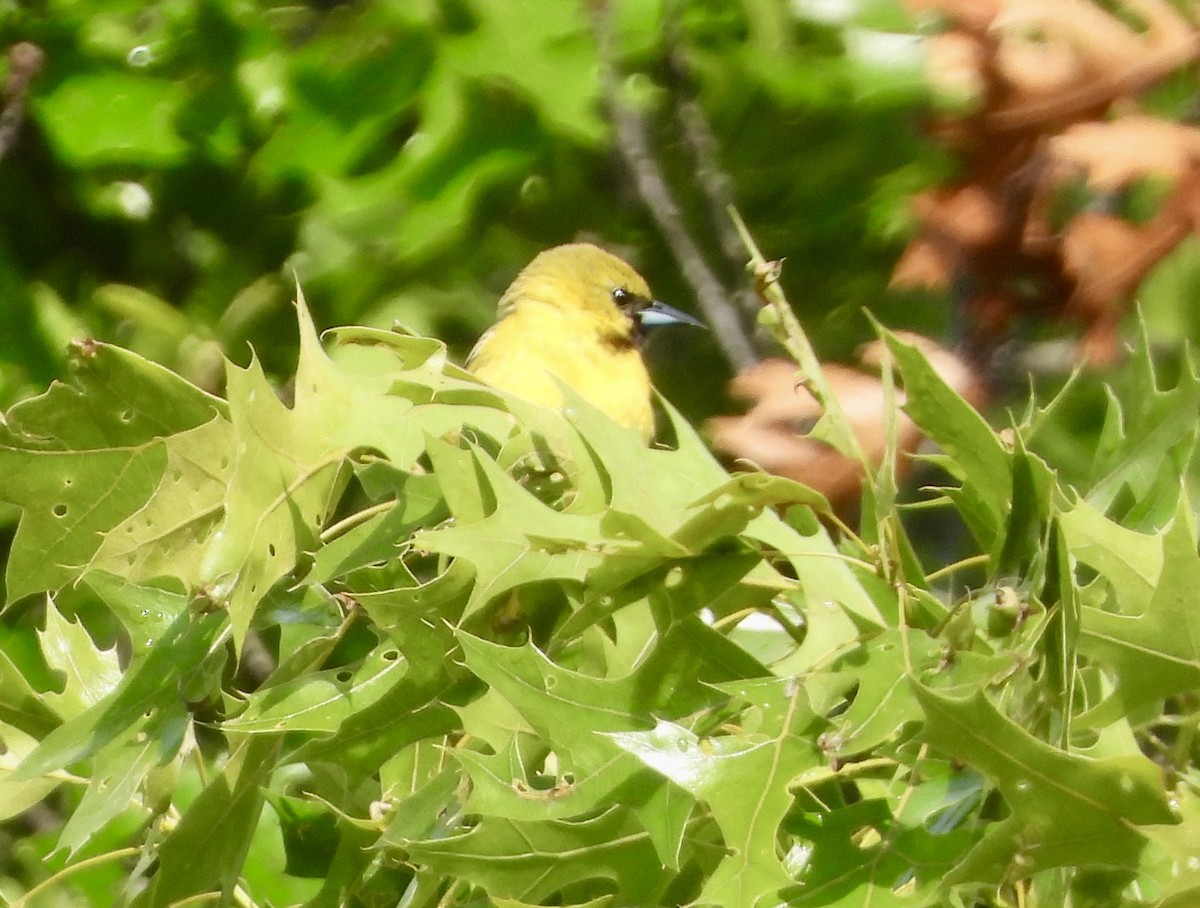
[[634, 144], [716, 186], [24, 62], [833, 426], [972, 561], [53, 879]]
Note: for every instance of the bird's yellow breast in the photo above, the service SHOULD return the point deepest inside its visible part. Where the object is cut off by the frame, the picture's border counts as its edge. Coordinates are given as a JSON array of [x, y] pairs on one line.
[[575, 314], [534, 343]]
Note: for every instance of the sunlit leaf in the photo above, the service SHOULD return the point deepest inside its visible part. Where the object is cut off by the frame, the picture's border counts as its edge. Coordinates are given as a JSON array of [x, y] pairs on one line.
[[1065, 809], [773, 756]]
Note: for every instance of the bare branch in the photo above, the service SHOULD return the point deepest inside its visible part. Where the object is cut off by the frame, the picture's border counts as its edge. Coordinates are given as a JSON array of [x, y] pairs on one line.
[[634, 144], [697, 134], [715, 184], [24, 62]]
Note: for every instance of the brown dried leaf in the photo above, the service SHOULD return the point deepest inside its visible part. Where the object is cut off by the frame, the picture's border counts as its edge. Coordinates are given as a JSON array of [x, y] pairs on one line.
[[783, 453], [964, 216], [1113, 154], [954, 65], [1032, 66], [1054, 62], [770, 435], [1096, 248], [1107, 58], [1094, 37], [1109, 258], [972, 15], [922, 264], [1045, 66]]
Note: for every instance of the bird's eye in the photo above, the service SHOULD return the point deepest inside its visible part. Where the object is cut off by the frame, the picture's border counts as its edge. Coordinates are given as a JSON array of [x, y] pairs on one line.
[[624, 299]]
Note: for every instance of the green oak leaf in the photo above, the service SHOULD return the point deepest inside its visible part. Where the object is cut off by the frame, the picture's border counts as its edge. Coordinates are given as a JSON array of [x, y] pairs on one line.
[[861, 854], [1131, 561], [84, 457], [976, 455], [1065, 809], [1155, 652], [521, 541], [89, 673], [573, 714], [149, 695], [169, 534], [411, 710], [205, 851], [290, 464], [532, 861], [715, 770], [320, 701]]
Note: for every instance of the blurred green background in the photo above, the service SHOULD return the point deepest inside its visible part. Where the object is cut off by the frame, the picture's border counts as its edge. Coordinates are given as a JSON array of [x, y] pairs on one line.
[[181, 160], [177, 165]]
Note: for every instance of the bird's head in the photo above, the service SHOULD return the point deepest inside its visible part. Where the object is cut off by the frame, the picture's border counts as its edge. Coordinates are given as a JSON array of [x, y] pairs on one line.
[[582, 280]]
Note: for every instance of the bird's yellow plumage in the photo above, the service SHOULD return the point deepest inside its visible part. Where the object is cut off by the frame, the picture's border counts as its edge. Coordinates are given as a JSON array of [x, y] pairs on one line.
[[578, 313]]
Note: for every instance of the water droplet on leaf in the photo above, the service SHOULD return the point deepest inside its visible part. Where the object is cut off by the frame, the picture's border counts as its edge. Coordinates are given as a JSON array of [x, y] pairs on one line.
[[140, 56]]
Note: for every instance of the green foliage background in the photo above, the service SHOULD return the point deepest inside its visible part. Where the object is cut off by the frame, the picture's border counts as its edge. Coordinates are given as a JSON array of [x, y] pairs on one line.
[[404, 159], [409, 641]]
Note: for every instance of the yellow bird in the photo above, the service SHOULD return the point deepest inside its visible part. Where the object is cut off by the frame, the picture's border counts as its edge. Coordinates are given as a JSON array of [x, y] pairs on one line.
[[578, 313]]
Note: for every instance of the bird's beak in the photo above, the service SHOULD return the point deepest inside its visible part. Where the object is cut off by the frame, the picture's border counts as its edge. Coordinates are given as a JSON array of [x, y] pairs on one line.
[[659, 313]]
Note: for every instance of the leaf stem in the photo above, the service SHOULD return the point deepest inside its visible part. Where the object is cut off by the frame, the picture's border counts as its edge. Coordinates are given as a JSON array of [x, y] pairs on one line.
[[789, 332], [842, 773], [87, 864], [633, 144], [346, 524], [957, 566]]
